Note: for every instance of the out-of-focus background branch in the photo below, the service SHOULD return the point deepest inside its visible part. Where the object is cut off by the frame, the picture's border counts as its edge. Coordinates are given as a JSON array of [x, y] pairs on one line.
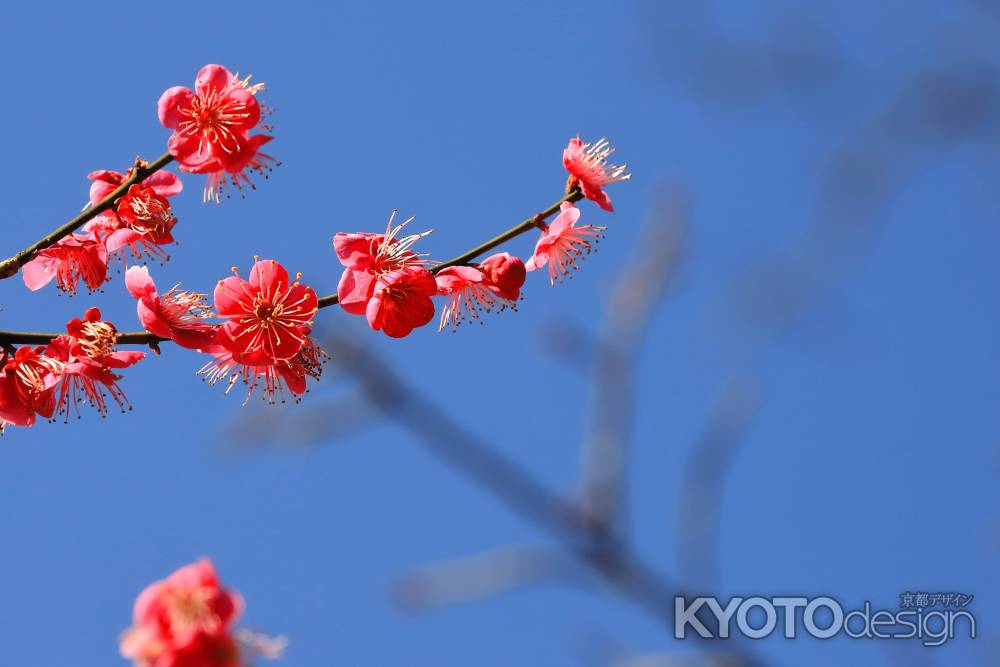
[[878, 144], [587, 528]]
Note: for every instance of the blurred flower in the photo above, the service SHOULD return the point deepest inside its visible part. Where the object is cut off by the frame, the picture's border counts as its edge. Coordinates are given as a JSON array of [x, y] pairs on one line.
[[257, 645], [266, 315], [493, 284], [89, 356], [184, 621], [176, 314], [367, 256], [27, 386], [212, 127], [589, 169], [401, 301], [562, 243], [71, 259], [141, 645]]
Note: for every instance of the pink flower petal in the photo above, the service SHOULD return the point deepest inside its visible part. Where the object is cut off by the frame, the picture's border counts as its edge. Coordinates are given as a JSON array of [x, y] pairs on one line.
[[212, 79], [123, 358], [356, 251], [454, 278], [149, 316], [38, 273], [354, 290], [164, 183], [229, 295], [139, 283], [171, 102], [268, 276], [192, 153]]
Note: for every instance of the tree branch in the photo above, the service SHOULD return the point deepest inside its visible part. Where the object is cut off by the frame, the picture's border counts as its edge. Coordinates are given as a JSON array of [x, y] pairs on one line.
[[145, 338], [528, 224], [140, 172]]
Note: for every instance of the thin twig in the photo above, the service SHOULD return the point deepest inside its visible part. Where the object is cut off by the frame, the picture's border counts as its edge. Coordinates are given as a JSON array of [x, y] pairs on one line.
[[529, 224], [140, 172], [639, 291], [526, 225]]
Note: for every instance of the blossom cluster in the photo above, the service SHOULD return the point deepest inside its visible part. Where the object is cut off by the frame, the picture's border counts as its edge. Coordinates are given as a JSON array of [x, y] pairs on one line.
[[391, 285], [258, 331], [134, 230], [212, 128], [186, 620], [78, 366]]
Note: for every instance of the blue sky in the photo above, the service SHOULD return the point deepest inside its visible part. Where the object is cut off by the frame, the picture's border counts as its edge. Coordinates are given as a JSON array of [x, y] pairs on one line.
[[869, 468]]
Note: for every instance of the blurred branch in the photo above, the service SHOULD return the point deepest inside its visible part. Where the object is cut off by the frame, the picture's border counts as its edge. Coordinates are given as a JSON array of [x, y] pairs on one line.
[[316, 423], [610, 557], [909, 654], [639, 290], [564, 339], [583, 529], [483, 575], [602, 650], [799, 58], [700, 499], [675, 660], [938, 107]]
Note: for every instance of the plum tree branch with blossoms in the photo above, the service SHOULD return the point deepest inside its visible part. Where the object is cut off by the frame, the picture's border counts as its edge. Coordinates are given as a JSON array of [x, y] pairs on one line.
[[574, 195], [139, 172], [145, 338], [256, 330]]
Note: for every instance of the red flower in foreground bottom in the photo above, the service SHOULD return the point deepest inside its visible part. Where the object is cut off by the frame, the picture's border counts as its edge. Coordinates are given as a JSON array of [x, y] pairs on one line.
[[588, 167], [185, 621], [266, 314], [563, 243], [73, 258], [176, 314], [401, 301], [494, 284], [212, 128], [146, 650], [89, 354]]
